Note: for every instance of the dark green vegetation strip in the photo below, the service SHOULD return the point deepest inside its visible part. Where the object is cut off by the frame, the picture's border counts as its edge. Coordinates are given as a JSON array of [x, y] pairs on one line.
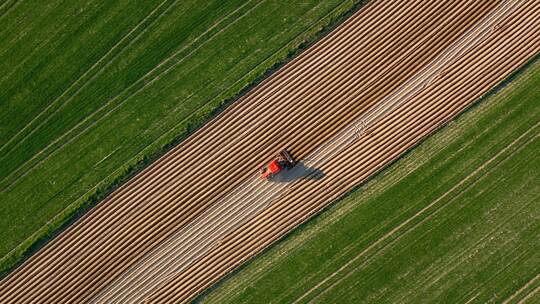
[[92, 91], [456, 219]]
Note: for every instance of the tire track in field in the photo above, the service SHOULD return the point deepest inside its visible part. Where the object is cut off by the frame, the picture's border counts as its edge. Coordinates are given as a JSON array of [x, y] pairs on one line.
[[229, 209], [460, 258], [103, 108], [518, 293], [517, 256], [116, 55], [155, 199], [528, 296], [103, 59], [444, 195], [528, 50], [410, 219], [7, 6], [468, 41], [51, 36], [80, 83], [86, 74], [21, 32], [291, 42]]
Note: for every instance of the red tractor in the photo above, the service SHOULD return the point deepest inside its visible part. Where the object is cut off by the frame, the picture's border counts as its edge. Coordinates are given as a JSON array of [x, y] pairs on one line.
[[282, 160]]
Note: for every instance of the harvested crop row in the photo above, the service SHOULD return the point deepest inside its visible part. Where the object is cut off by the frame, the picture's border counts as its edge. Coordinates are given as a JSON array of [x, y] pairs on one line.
[[206, 231], [303, 105], [508, 47]]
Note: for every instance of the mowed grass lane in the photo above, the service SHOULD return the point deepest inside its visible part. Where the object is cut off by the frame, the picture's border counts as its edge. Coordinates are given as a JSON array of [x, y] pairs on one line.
[[91, 89], [457, 219]]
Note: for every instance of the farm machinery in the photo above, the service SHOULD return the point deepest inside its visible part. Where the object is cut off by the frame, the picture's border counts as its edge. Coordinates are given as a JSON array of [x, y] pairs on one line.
[[283, 160]]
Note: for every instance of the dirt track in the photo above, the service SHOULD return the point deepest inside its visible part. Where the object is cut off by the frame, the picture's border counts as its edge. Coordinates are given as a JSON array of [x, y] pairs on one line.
[[399, 70]]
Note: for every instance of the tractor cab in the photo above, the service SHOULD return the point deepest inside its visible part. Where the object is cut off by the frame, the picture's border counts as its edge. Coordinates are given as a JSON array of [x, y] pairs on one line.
[[282, 161]]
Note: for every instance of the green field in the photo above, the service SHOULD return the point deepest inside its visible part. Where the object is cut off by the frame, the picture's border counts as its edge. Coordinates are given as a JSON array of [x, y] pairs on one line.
[[457, 220], [91, 91]]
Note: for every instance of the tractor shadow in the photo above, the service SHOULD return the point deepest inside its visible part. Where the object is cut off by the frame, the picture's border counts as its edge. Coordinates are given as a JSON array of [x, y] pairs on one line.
[[298, 172]]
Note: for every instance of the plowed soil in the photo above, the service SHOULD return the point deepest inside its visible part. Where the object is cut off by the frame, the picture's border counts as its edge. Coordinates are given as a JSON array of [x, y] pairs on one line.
[[355, 101]]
